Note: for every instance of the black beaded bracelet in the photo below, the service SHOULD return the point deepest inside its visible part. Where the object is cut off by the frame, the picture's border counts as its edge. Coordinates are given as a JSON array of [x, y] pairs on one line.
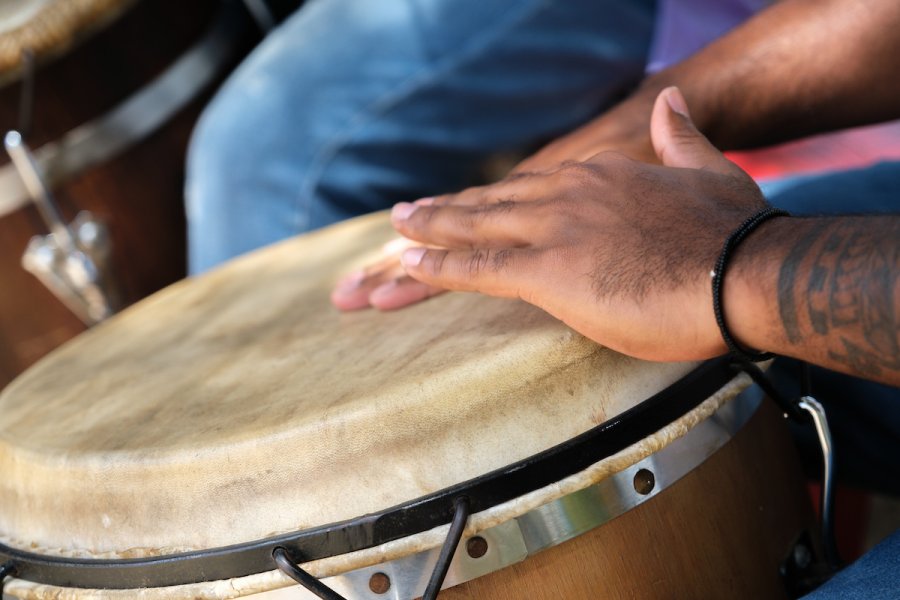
[[718, 276]]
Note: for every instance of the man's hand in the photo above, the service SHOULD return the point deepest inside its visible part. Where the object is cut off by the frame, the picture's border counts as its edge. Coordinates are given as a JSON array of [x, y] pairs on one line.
[[385, 286], [618, 249]]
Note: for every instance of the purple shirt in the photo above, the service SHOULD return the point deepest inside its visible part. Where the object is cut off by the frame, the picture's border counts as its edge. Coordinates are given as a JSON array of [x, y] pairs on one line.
[[685, 26]]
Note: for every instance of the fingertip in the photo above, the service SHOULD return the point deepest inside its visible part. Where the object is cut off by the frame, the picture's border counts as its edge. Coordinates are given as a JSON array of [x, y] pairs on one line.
[[412, 257], [347, 301], [348, 293], [350, 282], [675, 99], [402, 210]]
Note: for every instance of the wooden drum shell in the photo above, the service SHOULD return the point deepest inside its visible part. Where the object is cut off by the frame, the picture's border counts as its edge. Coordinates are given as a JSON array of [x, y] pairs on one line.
[[720, 532]]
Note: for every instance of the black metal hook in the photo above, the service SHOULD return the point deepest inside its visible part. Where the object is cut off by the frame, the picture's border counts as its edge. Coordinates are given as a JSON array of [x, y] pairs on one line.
[[457, 526], [288, 566]]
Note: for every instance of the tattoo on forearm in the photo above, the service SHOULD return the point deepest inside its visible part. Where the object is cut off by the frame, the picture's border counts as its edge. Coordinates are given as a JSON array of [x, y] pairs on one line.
[[787, 303], [851, 294]]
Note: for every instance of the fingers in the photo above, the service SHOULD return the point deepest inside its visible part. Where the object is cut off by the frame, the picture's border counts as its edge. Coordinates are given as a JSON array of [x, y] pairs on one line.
[[353, 291], [503, 224], [516, 187], [677, 141], [401, 292], [387, 289], [507, 272]]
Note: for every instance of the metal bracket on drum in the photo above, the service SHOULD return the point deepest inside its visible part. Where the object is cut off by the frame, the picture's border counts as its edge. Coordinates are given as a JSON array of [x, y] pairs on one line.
[[817, 412], [72, 260], [801, 410]]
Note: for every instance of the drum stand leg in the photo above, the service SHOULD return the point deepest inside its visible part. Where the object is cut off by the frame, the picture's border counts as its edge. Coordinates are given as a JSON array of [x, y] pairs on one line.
[[288, 565]]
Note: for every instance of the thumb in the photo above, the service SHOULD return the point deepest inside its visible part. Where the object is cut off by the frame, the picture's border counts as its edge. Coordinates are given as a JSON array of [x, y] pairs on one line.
[[677, 142]]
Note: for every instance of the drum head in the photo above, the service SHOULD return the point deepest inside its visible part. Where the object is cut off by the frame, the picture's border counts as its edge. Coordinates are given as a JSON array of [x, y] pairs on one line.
[[240, 405], [48, 28]]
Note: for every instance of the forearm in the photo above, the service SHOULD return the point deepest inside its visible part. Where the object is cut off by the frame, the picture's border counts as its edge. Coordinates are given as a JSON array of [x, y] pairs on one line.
[[826, 290], [799, 67]]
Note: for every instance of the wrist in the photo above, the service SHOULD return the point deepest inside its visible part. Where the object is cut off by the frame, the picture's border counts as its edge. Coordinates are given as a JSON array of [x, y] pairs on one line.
[[750, 287]]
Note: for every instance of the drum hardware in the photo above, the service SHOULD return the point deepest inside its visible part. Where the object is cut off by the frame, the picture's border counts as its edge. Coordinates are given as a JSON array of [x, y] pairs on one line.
[[136, 117], [289, 567], [379, 583], [507, 543], [817, 413], [457, 526], [72, 261], [804, 410]]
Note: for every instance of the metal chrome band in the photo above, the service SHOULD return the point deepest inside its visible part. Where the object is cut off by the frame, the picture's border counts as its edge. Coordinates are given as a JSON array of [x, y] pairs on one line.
[[560, 520], [423, 514], [136, 117]]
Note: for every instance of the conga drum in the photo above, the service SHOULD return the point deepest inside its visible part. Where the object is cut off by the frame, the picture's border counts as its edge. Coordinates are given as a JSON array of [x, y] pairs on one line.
[[234, 431], [106, 93]]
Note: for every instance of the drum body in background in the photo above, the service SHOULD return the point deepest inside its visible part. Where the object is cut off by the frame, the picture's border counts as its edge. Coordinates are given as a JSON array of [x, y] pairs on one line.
[[189, 437], [84, 69]]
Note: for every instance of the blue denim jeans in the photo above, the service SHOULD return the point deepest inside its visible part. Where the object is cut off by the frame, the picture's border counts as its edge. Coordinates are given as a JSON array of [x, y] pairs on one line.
[[353, 105]]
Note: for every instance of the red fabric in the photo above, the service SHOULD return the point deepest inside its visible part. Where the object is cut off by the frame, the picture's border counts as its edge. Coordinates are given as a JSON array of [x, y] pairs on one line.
[[847, 149]]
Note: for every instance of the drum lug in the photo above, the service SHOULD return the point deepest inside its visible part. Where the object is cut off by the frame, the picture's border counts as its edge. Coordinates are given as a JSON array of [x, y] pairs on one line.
[[72, 260]]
